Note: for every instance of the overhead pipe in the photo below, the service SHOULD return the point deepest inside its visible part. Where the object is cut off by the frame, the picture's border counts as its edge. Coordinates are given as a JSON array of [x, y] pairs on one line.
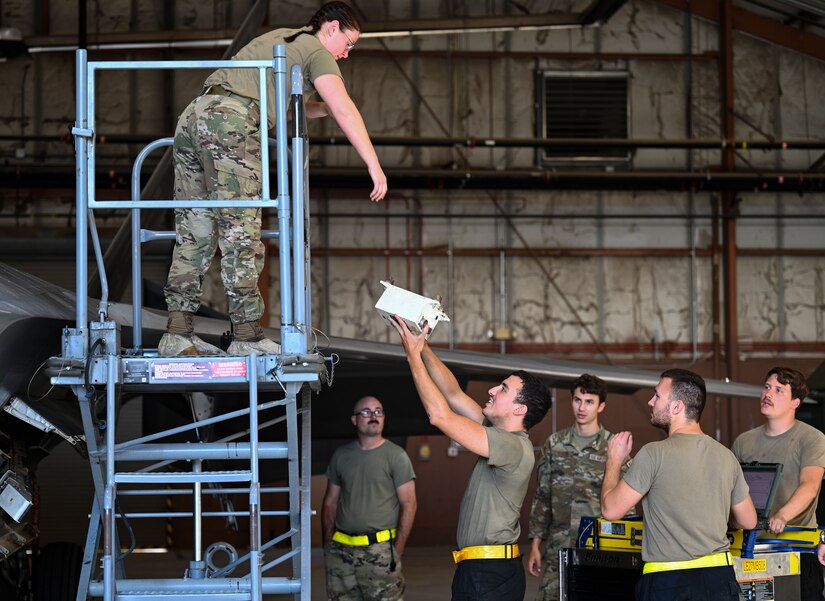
[[488, 142], [67, 216], [50, 176], [530, 215], [556, 252], [56, 248], [596, 143]]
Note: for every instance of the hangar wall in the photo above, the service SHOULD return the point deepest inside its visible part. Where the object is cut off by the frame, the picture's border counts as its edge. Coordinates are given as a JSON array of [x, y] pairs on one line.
[[620, 267]]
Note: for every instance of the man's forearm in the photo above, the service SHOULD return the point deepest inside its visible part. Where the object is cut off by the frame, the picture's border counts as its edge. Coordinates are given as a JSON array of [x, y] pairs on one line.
[[441, 375], [406, 516], [801, 499], [612, 476], [434, 402], [448, 386], [327, 523]]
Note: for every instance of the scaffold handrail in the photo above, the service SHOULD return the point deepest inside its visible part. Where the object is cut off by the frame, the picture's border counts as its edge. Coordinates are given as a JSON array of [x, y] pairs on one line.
[[85, 135]]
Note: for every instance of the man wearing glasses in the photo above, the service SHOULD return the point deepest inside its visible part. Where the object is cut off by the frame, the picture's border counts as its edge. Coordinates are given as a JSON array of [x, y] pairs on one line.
[[368, 511]]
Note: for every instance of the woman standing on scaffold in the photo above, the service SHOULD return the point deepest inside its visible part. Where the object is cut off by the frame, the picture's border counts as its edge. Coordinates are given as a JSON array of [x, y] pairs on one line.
[[217, 156]]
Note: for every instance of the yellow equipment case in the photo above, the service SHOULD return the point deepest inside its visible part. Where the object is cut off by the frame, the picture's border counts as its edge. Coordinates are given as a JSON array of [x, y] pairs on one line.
[[611, 535]]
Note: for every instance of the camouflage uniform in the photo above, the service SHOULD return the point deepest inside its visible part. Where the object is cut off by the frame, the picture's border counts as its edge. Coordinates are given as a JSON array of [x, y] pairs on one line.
[[569, 485], [363, 573], [217, 156]]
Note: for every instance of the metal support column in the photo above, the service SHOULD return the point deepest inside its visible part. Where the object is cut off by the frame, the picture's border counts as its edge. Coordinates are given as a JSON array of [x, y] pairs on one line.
[[729, 209]]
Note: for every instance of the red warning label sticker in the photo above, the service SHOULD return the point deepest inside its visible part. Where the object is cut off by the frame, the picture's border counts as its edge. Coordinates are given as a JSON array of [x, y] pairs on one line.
[[196, 371]]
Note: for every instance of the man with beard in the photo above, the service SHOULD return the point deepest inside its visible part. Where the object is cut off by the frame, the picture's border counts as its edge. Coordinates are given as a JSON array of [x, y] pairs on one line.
[[689, 485], [569, 480], [488, 566], [800, 449], [367, 512]]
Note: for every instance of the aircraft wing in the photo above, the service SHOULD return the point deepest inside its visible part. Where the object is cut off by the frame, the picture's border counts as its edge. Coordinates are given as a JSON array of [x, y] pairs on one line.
[[33, 313], [493, 367]]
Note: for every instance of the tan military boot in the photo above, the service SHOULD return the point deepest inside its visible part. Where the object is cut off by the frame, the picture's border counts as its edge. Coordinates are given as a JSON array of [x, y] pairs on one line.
[[250, 340], [180, 338]]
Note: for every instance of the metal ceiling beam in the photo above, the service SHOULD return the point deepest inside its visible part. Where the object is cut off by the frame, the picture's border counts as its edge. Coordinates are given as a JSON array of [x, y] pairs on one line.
[[371, 29], [800, 20], [812, 8], [770, 30]]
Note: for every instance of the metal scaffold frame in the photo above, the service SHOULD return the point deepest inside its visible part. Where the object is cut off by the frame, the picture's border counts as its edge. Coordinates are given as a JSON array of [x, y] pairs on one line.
[[98, 368]]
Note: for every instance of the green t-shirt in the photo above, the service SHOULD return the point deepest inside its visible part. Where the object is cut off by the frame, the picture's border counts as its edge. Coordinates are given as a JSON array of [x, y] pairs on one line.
[[305, 50], [491, 505], [689, 483], [368, 481], [580, 442], [799, 447]]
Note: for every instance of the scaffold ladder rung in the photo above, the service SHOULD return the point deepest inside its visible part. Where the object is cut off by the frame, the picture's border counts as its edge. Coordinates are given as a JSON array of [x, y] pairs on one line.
[[208, 589], [201, 450], [182, 477], [149, 596]]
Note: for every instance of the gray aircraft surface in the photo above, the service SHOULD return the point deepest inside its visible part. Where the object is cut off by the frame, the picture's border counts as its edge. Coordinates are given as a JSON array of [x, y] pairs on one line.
[[36, 416]]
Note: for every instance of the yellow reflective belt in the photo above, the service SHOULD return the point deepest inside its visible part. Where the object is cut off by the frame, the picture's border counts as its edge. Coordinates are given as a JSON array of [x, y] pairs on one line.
[[362, 540], [714, 560], [486, 552]]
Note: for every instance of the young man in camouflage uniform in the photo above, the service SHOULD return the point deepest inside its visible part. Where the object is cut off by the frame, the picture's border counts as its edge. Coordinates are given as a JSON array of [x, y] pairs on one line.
[[368, 512], [570, 475]]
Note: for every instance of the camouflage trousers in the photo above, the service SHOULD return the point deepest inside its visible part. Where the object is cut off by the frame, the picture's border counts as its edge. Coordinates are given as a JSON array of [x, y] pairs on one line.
[[549, 588], [362, 573], [217, 156]]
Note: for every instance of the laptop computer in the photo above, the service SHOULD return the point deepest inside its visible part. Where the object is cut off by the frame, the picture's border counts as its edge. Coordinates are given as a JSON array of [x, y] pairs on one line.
[[763, 480]]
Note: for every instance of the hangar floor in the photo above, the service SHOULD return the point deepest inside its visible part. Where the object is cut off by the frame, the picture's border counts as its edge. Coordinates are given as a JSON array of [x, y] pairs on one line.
[[429, 571]]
